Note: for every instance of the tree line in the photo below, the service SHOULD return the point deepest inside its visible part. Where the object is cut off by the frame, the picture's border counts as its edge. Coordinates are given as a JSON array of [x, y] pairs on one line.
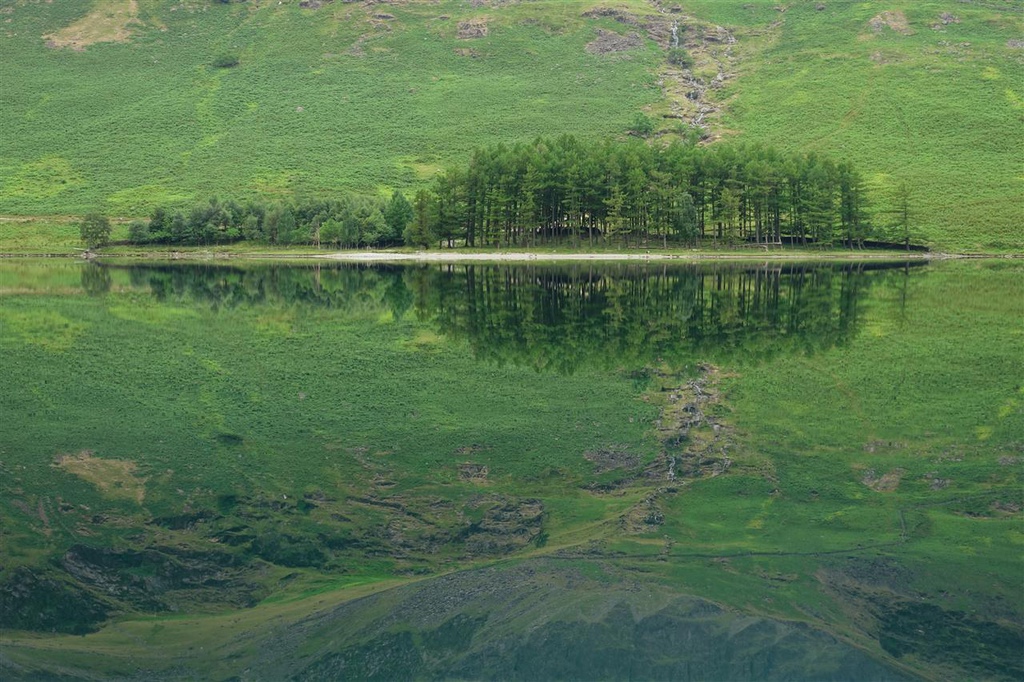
[[633, 193], [564, 190], [347, 222]]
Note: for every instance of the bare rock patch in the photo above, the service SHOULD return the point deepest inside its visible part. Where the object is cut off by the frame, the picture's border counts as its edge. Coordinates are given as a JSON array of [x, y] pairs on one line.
[[945, 19], [609, 42], [472, 29], [893, 19], [885, 483], [473, 473], [610, 458]]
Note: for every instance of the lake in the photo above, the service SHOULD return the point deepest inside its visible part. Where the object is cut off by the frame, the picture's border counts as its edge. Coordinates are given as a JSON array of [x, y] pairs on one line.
[[246, 470]]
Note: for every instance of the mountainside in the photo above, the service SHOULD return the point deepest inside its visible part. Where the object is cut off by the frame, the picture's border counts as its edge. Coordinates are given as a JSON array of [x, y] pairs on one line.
[[120, 105]]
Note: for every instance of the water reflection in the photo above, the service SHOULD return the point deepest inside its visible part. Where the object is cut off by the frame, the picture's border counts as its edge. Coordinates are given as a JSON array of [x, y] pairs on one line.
[[562, 317]]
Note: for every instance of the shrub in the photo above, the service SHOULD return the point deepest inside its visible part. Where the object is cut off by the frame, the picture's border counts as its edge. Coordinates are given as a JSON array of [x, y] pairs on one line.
[[677, 56], [642, 126], [94, 230], [226, 61]]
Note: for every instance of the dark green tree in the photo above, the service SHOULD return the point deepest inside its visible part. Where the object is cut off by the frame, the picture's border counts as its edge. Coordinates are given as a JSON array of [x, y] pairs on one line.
[[138, 232], [330, 233], [95, 230], [419, 232], [397, 215]]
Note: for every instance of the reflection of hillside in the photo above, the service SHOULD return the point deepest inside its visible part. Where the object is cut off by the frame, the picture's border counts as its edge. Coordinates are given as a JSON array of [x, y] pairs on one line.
[[564, 317]]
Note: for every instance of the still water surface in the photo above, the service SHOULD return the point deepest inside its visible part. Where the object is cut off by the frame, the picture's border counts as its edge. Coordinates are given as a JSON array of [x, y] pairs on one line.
[[704, 472]]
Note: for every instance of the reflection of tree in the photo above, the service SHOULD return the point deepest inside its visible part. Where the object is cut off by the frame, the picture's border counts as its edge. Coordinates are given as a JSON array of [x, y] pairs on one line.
[[96, 280], [561, 318], [613, 316], [350, 289]]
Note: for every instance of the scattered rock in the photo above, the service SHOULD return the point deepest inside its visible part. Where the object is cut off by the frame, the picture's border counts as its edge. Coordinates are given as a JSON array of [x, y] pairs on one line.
[[473, 473], [879, 445], [945, 19], [718, 34], [886, 483], [644, 517], [1015, 44], [612, 13], [1006, 507], [473, 449], [507, 525], [472, 29], [695, 443], [613, 457], [609, 42], [895, 20]]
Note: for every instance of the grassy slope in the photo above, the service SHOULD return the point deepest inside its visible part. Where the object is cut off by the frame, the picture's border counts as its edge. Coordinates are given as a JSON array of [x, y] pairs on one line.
[[385, 103], [938, 109]]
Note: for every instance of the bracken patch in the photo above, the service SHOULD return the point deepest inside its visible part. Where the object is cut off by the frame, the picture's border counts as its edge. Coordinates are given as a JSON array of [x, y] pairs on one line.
[[115, 478], [109, 22]]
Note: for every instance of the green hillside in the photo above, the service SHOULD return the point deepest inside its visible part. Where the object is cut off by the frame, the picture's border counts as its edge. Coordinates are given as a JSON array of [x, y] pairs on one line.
[[119, 105]]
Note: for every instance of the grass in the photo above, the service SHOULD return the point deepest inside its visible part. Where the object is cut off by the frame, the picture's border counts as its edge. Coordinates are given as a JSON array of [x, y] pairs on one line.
[[321, 100], [338, 100], [938, 109], [47, 236]]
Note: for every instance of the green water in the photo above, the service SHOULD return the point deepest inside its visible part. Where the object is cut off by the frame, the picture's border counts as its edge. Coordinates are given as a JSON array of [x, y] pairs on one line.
[[832, 447]]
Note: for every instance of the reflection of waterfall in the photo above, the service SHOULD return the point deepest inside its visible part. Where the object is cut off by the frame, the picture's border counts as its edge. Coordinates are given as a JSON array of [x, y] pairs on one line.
[[675, 35]]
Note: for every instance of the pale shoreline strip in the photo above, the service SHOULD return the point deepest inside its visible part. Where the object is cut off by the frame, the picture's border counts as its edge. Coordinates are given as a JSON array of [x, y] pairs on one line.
[[452, 256]]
